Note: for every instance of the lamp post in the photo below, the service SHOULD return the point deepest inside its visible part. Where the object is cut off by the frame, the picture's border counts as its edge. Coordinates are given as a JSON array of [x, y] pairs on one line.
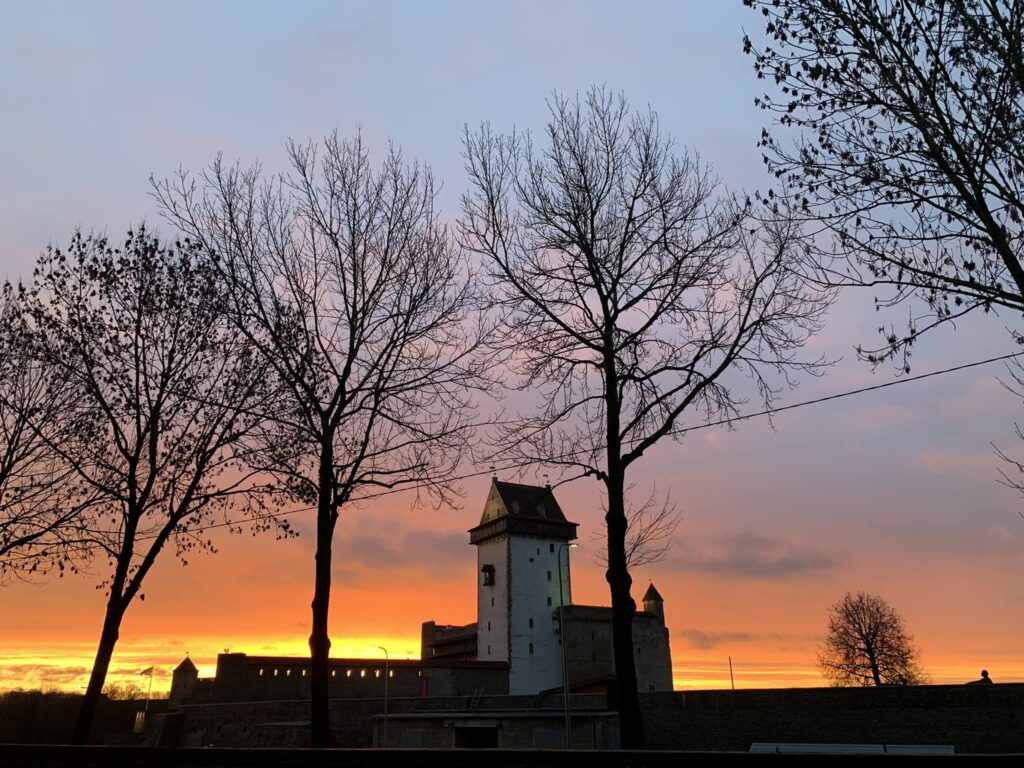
[[384, 739], [562, 630]]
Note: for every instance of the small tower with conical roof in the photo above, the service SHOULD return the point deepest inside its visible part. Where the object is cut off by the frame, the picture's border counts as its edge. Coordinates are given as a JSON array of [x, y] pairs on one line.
[[522, 579], [183, 682], [654, 603]]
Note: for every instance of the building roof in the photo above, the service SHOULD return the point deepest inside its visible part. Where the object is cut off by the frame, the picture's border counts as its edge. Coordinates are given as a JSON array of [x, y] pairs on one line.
[[652, 595], [186, 665], [524, 509], [532, 501]]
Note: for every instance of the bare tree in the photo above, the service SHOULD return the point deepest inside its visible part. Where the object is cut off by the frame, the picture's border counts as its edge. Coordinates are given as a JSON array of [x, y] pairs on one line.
[[636, 294], [650, 527], [41, 500], [867, 644], [900, 127], [163, 392], [347, 283]]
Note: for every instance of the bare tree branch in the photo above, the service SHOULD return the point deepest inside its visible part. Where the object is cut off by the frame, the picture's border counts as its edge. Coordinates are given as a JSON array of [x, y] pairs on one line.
[[344, 279]]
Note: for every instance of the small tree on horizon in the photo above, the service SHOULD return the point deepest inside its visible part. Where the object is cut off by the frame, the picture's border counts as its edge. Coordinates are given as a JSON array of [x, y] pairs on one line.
[[868, 644]]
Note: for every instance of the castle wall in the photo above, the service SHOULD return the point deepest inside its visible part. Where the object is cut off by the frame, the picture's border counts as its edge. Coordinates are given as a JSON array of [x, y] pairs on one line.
[[535, 650], [273, 678], [492, 601], [589, 647]]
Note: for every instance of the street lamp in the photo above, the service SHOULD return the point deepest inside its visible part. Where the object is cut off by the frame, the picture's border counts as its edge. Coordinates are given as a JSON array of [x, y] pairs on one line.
[[562, 629], [387, 658]]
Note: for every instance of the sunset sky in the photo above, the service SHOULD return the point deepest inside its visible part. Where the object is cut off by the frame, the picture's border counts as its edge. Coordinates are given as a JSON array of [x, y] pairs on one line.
[[893, 492]]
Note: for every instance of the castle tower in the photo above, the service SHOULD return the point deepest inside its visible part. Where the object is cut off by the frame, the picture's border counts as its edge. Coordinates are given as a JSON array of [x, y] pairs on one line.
[[519, 538], [653, 603], [183, 682]]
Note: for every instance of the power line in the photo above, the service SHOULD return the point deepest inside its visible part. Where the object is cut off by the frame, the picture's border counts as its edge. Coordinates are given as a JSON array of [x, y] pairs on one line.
[[680, 431]]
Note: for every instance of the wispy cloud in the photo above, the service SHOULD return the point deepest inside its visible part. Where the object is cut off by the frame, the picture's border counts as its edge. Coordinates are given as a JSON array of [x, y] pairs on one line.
[[751, 555]]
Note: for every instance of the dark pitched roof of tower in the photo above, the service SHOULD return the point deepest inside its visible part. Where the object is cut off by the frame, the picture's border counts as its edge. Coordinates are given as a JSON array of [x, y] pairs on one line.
[[186, 664], [652, 594], [532, 501], [518, 508]]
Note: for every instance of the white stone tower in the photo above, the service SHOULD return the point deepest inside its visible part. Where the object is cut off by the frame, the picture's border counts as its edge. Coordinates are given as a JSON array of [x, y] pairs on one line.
[[519, 538]]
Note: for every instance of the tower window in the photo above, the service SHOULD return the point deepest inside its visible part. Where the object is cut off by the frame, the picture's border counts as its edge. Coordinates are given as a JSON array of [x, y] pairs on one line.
[[348, 673], [531, 647], [531, 623], [549, 601], [538, 552], [488, 626], [551, 548], [492, 602], [261, 673], [549, 575], [488, 572]]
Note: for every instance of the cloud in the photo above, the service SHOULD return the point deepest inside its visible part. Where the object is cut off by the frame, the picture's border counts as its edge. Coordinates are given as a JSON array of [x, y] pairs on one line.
[[706, 640], [397, 547], [751, 555]]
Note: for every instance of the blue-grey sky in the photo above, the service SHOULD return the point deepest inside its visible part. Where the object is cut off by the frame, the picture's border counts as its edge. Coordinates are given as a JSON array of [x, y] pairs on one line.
[[893, 492]]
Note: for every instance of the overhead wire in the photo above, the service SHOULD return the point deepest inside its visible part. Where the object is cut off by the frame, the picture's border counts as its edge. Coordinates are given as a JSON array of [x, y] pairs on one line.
[[675, 432]]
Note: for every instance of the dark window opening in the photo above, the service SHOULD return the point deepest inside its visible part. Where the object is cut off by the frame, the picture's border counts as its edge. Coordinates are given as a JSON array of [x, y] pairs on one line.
[[531, 623], [551, 547], [549, 601], [488, 572], [549, 575], [531, 647]]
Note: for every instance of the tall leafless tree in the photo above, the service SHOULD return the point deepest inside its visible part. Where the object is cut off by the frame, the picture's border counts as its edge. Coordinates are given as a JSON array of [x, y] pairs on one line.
[[868, 644], [41, 499], [636, 293], [343, 277], [164, 393]]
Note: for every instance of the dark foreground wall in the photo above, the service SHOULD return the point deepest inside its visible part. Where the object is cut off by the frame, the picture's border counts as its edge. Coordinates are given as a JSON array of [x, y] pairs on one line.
[[13, 756], [38, 717], [974, 719]]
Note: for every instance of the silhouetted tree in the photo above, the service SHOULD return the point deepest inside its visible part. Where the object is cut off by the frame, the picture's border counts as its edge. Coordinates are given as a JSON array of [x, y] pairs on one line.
[[650, 526], [163, 391], [867, 644], [343, 277], [909, 147], [633, 289], [41, 499]]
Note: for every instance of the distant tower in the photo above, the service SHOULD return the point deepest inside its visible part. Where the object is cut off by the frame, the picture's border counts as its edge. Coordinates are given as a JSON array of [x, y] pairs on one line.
[[518, 540], [183, 682], [653, 603]]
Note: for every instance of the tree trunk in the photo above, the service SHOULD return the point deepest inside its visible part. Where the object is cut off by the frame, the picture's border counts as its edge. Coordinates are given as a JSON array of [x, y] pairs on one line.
[[873, 661], [108, 639], [319, 641], [623, 610]]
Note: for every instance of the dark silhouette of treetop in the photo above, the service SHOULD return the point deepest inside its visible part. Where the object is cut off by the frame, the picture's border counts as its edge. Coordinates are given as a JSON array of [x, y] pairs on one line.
[[867, 644], [900, 127]]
